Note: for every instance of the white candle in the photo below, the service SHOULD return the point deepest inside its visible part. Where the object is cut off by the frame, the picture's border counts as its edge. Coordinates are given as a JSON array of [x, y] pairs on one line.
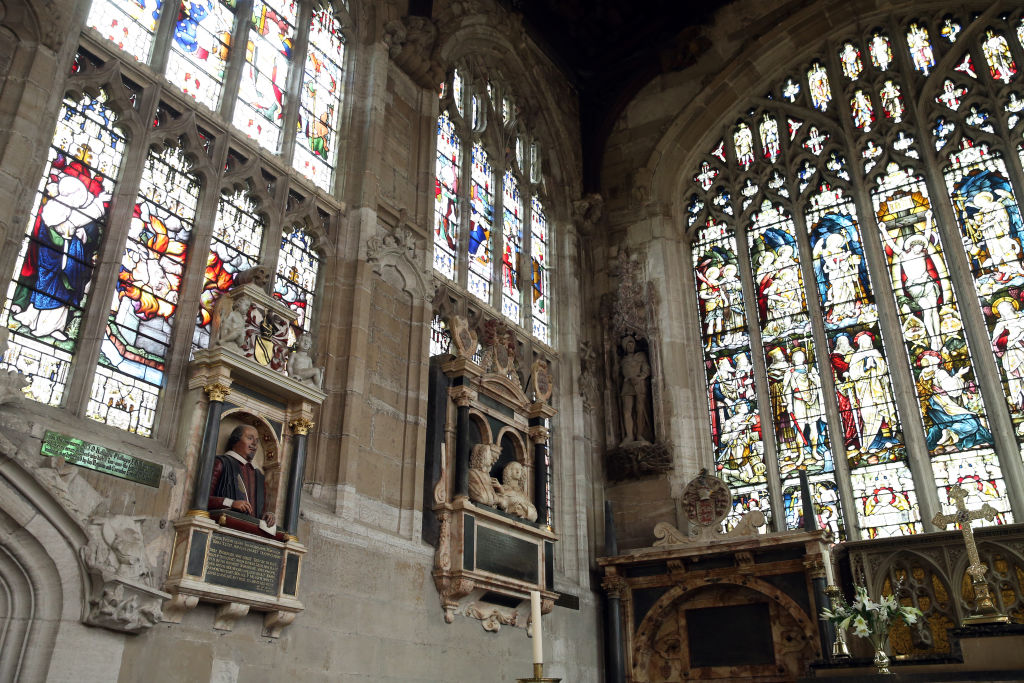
[[538, 637], [826, 559]]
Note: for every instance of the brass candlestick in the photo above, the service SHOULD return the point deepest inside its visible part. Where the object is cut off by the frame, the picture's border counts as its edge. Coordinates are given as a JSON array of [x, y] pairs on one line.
[[839, 648], [538, 676]]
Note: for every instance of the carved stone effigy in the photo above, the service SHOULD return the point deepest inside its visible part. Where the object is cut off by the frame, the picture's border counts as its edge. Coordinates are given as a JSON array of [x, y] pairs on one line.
[[491, 550], [679, 611]]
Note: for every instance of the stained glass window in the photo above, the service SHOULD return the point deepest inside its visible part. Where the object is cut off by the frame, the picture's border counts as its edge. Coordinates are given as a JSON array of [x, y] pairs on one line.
[[199, 52], [237, 236], [729, 370], [260, 107], [298, 269], [481, 221], [903, 450], [320, 104], [48, 292], [130, 24], [446, 197], [133, 354], [512, 243], [539, 267]]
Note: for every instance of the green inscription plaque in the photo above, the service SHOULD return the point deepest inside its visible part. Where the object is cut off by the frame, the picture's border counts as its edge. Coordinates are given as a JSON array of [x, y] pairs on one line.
[[102, 459]]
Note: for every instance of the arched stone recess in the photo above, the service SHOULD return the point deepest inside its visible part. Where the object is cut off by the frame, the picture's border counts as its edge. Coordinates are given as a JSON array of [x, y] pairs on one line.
[[923, 583], [661, 645]]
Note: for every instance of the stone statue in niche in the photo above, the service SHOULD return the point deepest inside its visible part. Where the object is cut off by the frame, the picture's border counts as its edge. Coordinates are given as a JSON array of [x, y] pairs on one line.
[[483, 488], [636, 373], [237, 485], [300, 364], [230, 322], [513, 499]]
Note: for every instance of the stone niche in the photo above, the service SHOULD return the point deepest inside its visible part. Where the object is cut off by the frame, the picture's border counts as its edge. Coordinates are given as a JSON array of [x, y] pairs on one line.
[[494, 544], [247, 376]]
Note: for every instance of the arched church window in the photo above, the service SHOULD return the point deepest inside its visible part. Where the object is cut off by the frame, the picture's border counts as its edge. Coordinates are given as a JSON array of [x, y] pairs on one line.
[[481, 137], [887, 250]]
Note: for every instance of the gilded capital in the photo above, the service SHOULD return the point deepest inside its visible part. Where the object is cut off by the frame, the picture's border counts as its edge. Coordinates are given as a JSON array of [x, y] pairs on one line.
[[462, 395], [301, 425], [538, 434], [217, 391]]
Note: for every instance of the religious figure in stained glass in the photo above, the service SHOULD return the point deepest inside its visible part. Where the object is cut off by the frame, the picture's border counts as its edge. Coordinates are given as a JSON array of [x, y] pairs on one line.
[[1008, 345], [869, 374], [850, 58], [920, 48], [992, 226], [1000, 61], [892, 101], [839, 268], [955, 424], [779, 288], [57, 266], [199, 49]]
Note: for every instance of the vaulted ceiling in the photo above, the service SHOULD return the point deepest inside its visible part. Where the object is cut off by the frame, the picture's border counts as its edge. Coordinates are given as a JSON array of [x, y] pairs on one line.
[[610, 49]]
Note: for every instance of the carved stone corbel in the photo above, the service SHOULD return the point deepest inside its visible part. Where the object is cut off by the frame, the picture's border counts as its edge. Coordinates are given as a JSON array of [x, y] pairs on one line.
[[587, 212], [275, 622], [614, 585], [397, 249], [175, 608], [411, 42], [121, 595], [452, 589], [462, 395], [229, 613]]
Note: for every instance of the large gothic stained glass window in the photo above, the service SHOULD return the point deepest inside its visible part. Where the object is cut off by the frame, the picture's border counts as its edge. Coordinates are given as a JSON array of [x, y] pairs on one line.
[[894, 257], [480, 226]]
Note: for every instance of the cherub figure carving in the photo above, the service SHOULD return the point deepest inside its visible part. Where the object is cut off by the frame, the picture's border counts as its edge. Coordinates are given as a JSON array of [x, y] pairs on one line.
[[230, 322], [300, 364]]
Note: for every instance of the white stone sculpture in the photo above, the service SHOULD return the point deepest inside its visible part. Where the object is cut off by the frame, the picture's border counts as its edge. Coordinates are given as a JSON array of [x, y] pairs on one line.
[[300, 364], [513, 498]]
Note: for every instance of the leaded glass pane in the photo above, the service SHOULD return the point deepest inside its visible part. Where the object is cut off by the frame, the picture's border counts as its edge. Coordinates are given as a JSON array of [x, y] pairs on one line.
[[260, 107], [818, 86], [199, 49], [446, 197], [237, 236], [48, 292], [298, 268], [997, 52], [540, 293], [133, 353], [481, 221], [920, 47], [129, 24], [320, 105], [512, 246]]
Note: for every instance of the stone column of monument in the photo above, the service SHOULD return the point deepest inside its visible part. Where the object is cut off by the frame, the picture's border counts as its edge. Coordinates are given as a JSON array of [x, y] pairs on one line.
[[539, 436], [301, 429], [463, 396], [217, 392]]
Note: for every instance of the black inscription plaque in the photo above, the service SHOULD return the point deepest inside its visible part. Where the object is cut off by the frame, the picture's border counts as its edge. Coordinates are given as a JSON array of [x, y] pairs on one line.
[[504, 554], [100, 458], [240, 563], [735, 635]]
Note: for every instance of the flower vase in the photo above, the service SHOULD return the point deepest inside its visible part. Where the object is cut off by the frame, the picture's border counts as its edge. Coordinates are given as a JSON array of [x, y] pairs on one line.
[[879, 641]]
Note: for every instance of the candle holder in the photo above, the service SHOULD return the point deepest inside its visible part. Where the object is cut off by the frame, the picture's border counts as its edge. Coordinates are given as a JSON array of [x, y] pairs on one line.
[[538, 676], [839, 648]]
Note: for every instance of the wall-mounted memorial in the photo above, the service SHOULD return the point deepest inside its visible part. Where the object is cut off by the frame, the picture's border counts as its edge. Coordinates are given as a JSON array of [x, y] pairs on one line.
[[495, 543], [253, 393]]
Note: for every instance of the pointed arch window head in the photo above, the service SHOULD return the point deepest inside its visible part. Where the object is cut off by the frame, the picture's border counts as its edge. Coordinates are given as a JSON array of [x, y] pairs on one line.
[[137, 337], [53, 276]]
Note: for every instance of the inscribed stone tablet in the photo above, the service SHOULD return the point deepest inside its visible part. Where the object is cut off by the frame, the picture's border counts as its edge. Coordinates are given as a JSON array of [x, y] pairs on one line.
[[102, 459], [240, 563], [504, 554]]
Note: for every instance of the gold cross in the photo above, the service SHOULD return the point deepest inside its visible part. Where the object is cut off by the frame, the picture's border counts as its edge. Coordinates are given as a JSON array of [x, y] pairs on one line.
[[985, 609]]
